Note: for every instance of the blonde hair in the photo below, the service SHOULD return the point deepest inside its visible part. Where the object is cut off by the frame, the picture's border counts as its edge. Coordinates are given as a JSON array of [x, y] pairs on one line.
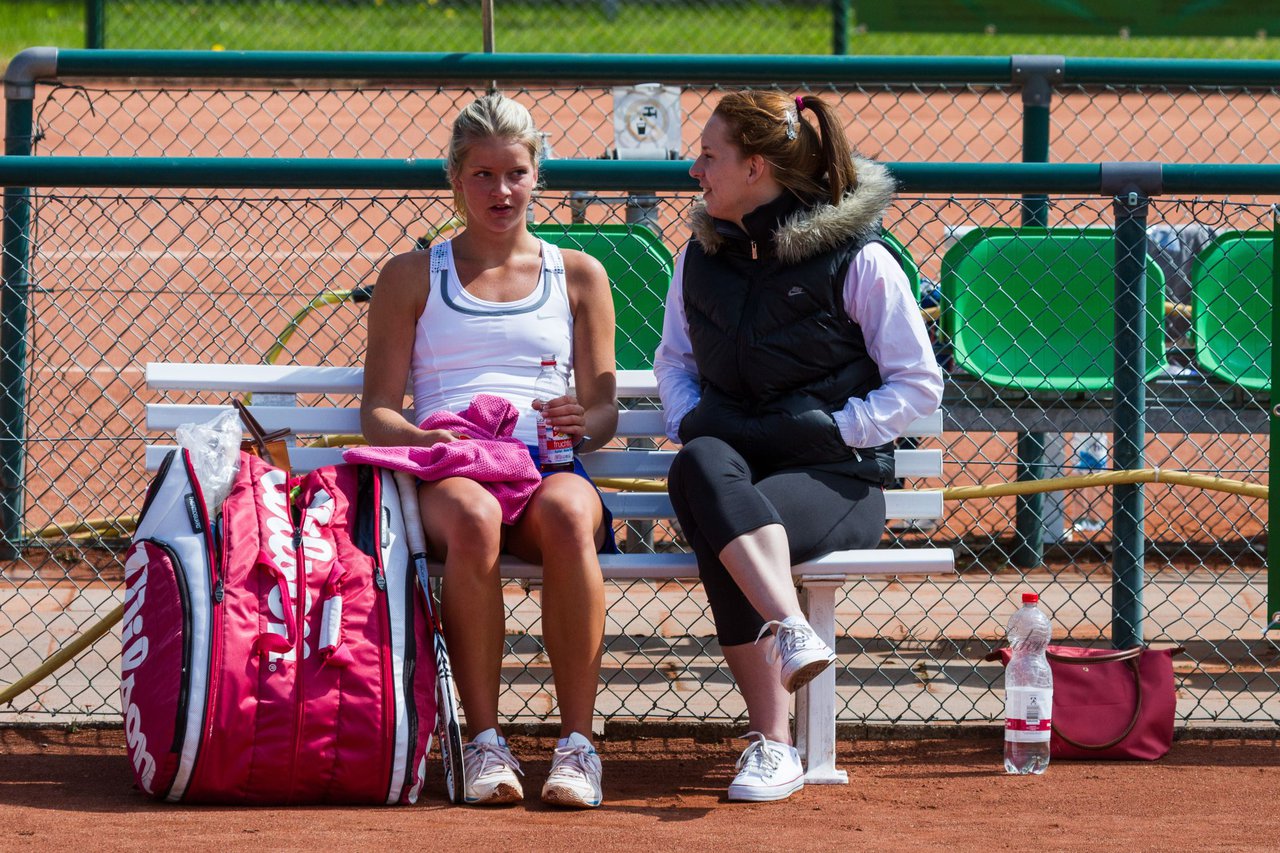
[[494, 116], [809, 162]]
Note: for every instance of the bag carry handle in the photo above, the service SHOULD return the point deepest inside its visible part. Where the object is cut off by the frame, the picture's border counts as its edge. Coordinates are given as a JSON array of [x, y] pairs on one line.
[[260, 437], [1129, 656]]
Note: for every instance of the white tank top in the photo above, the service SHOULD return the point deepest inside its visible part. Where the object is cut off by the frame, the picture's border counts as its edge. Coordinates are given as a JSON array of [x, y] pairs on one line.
[[464, 346]]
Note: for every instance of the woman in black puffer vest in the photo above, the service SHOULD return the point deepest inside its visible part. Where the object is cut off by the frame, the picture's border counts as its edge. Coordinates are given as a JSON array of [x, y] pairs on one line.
[[792, 356]]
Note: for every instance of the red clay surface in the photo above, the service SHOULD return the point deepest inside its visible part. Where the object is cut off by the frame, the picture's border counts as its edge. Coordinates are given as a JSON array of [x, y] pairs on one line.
[[73, 791]]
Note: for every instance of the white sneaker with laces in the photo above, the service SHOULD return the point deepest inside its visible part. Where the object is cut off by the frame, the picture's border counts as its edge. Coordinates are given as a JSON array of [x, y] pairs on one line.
[[491, 771], [767, 771], [803, 652], [574, 779]]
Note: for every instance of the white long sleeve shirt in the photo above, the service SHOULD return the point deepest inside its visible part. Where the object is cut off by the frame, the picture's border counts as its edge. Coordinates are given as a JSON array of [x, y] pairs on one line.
[[877, 296]]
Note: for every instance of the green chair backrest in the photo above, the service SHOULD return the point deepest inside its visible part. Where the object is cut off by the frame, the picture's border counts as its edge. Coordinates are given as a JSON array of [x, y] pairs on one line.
[[1231, 281], [1032, 308], [909, 265], [639, 266]]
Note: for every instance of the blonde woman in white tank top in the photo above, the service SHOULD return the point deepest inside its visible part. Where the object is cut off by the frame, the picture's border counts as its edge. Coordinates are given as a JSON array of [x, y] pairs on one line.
[[493, 271]]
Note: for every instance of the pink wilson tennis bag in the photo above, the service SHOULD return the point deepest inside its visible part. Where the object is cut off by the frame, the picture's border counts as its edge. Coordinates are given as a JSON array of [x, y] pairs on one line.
[[276, 652]]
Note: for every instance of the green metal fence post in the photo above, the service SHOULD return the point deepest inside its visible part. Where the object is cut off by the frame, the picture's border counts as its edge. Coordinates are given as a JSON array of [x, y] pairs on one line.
[[1036, 75], [19, 92], [1132, 184], [95, 22], [840, 26]]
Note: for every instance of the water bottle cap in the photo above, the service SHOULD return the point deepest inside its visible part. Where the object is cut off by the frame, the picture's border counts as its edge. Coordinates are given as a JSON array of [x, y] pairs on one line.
[[1030, 598], [548, 358]]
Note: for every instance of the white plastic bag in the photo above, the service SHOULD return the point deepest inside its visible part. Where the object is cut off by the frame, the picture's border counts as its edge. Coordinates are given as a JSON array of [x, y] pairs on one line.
[[215, 454]]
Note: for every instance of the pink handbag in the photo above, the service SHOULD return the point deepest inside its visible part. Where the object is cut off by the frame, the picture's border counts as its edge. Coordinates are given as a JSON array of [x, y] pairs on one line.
[[1110, 704]]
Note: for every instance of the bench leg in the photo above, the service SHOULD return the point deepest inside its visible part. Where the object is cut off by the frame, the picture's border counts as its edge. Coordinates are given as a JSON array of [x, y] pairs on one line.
[[816, 702]]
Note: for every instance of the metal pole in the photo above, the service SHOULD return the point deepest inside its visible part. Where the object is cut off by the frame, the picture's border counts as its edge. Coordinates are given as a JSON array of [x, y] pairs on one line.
[[840, 26], [1035, 74], [487, 37], [1130, 417], [14, 283], [95, 21], [486, 24]]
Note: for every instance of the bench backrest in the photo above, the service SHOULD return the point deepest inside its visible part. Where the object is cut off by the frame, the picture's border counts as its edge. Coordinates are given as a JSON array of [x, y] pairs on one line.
[[613, 466]]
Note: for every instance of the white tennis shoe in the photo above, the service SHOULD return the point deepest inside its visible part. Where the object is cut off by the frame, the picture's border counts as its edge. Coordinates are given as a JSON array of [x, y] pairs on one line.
[[803, 653], [767, 771], [574, 780], [491, 771]]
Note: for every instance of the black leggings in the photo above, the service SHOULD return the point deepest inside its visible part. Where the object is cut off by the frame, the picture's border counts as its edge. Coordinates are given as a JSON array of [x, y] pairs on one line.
[[718, 497]]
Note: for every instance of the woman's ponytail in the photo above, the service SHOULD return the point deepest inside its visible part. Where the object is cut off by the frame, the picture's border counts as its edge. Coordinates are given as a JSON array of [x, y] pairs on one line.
[[842, 175]]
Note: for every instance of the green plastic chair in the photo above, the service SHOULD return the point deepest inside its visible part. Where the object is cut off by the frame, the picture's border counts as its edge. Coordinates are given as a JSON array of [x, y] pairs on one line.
[[639, 266], [1031, 308], [909, 265], [1231, 281]]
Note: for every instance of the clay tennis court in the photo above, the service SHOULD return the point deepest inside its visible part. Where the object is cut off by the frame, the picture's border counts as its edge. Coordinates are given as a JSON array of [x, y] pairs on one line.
[[73, 791]]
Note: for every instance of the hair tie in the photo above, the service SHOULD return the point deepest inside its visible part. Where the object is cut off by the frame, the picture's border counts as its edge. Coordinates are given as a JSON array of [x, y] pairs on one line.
[[800, 103]]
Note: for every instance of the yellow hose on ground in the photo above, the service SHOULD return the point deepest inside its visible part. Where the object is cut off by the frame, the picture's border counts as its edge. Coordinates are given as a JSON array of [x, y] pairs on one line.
[[83, 528], [62, 655]]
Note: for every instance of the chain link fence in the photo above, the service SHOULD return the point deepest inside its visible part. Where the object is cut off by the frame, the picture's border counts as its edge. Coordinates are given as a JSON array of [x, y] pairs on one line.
[[125, 277], [937, 122], [130, 276]]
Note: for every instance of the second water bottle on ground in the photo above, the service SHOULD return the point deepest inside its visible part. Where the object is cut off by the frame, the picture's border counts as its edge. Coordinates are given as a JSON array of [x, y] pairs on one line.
[[1090, 505], [1028, 683]]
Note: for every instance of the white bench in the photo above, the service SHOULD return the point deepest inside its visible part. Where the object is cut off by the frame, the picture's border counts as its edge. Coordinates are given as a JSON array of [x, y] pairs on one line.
[[818, 579]]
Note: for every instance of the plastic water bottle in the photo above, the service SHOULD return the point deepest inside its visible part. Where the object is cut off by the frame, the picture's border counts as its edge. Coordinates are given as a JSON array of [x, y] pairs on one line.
[[1028, 691], [555, 449], [1090, 450]]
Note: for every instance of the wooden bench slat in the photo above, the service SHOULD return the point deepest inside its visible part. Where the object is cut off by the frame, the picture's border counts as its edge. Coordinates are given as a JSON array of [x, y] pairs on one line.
[[627, 464], [239, 378], [899, 504], [292, 379], [309, 379], [320, 420], [833, 566]]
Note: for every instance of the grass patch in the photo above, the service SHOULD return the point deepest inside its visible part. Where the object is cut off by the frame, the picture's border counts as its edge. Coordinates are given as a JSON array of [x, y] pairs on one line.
[[746, 26], [31, 23]]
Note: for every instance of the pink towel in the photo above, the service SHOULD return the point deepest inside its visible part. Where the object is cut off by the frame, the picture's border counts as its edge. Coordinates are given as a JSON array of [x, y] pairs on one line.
[[493, 458]]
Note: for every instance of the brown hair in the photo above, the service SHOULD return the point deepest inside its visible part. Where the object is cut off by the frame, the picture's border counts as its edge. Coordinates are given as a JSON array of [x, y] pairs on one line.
[[809, 162], [493, 116]]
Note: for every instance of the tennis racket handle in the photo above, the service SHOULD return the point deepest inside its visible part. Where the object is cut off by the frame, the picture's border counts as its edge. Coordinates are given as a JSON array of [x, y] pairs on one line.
[[407, 486]]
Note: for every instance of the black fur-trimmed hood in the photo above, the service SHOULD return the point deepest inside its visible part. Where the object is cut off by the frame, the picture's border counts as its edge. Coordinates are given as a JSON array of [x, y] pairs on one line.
[[821, 228]]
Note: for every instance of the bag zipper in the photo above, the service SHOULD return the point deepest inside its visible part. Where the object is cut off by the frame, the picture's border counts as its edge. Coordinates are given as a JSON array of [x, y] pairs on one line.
[[297, 515], [382, 531], [214, 554]]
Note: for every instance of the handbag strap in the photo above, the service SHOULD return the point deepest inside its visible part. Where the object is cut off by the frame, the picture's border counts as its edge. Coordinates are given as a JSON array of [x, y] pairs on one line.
[[259, 436], [1109, 657], [1128, 656]]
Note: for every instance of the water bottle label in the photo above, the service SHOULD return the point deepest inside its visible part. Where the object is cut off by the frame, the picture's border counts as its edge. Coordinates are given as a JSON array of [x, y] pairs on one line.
[[554, 447], [1028, 714]]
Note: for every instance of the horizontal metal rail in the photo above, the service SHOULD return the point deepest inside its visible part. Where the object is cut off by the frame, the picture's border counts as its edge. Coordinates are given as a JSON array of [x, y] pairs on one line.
[[655, 176], [602, 68]]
